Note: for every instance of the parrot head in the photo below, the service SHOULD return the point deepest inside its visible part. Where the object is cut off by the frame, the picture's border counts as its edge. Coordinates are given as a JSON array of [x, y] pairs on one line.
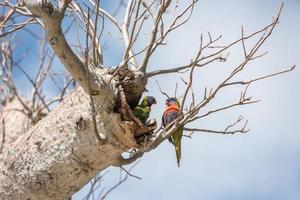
[[172, 101], [149, 101]]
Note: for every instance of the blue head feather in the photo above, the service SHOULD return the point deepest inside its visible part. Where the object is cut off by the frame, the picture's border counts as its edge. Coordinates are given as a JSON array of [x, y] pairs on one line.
[[171, 101], [150, 100]]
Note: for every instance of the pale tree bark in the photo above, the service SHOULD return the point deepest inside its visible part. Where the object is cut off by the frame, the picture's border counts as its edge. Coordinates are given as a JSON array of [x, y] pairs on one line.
[[93, 126], [60, 153]]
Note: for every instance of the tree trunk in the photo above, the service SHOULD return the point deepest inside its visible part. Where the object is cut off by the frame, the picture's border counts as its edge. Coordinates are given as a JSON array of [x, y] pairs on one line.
[[63, 151], [60, 154]]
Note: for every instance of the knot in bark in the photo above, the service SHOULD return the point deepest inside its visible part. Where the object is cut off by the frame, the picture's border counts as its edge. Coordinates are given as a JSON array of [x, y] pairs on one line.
[[47, 6], [53, 41], [81, 124]]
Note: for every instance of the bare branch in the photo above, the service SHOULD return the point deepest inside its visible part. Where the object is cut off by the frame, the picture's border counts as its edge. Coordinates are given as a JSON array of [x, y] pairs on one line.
[[97, 52], [195, 109], [99, 139], [260, 78], [224, 132], [18, 27], [120, 182], [53, 18], [173, 25], [3, 132], [161, 90], [126, 37], [129, 174], [106, 14], [162, 9], [191, 77]]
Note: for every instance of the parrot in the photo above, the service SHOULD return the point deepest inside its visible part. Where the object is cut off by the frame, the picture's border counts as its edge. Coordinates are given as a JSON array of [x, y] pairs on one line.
[[171, 113], [143, 110]]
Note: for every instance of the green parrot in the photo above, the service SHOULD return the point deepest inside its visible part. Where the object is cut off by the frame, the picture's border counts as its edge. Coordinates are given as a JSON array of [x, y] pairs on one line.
[[171, 113], [143, 110]]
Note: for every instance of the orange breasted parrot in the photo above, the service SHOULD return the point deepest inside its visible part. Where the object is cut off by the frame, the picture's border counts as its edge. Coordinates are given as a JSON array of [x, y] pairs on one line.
[[143, 110], [171, 113]]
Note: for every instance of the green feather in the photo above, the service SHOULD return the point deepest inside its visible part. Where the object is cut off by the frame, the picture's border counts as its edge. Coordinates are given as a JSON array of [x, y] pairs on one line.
[[142, 111], [176, 138]]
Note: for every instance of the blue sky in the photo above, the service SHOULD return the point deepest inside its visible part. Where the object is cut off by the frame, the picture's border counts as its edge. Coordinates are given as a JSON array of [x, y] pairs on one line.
[[262, 164]]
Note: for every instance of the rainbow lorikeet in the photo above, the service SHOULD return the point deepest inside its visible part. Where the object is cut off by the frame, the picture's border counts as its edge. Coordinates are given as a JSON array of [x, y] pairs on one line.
[[143, 110], [171, 113]]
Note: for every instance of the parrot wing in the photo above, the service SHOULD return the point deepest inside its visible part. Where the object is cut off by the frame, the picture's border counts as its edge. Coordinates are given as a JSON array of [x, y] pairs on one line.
[[142, 113], [164, 125], [169, 116]]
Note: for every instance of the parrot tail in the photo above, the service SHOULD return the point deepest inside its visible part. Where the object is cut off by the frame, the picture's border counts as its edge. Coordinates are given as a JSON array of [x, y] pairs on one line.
[[171, 140], [178, 154], [177, 144]]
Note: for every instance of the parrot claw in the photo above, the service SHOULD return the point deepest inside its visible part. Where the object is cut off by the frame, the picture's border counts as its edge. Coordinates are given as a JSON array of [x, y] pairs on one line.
[[146, 129]]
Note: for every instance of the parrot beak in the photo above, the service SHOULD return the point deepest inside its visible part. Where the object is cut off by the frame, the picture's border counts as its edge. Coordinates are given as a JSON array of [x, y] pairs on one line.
[[154, 101]]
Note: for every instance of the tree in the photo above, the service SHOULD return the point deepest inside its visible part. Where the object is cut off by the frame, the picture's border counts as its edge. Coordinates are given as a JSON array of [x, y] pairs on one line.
[[93, 126]]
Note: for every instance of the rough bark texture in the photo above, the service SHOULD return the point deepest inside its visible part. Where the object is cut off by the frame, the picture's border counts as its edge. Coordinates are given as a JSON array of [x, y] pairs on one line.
[[16, 122], [52, 18], [60, 154]]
